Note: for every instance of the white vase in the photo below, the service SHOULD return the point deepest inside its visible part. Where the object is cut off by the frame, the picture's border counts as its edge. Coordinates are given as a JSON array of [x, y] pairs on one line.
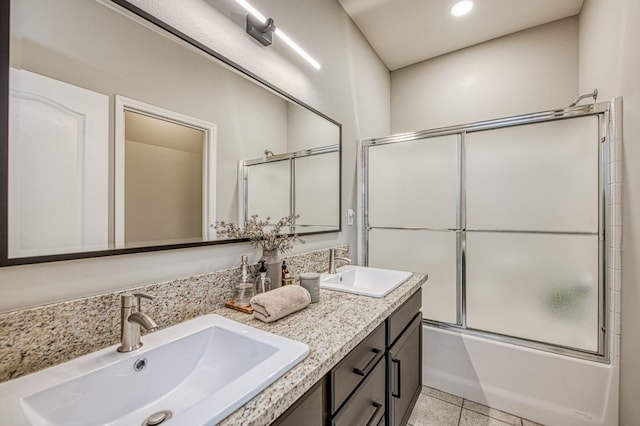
[[273, 263]]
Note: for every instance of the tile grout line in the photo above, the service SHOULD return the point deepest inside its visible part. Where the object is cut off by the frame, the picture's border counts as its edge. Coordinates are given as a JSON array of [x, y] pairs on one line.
[[521, 421], [490, 416], [443, 400], [439, 399], [462, 407], [460, 415]]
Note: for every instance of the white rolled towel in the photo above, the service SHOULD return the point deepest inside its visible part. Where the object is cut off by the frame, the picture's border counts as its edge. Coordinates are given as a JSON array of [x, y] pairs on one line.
[[279, 303]]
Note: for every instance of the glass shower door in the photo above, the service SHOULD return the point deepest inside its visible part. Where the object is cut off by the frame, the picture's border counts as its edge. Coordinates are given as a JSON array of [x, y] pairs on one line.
[[506, 217], [532, 245], [412, 222]]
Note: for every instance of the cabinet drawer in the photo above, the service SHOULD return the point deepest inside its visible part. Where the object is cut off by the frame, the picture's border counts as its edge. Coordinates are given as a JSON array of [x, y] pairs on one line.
[[366, 406], [401, 318], [349, 372]]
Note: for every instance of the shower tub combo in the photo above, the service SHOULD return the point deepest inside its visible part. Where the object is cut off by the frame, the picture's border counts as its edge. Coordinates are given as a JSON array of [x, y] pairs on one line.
[[517, 222]]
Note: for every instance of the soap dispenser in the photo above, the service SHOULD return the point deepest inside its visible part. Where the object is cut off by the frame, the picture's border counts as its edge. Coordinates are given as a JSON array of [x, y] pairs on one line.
[[263, 282], [244, 289]]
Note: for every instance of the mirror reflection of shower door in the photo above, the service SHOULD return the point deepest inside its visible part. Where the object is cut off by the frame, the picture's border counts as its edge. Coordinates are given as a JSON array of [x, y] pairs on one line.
[[303, 184], [316, 183], [412, 216], [268, 190]]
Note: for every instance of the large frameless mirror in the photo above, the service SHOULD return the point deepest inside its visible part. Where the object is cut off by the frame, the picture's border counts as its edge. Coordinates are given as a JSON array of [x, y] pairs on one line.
[[122, 137]]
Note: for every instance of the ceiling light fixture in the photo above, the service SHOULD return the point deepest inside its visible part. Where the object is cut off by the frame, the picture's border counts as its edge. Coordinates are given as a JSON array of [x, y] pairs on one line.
[[462, 8], [261, 28]]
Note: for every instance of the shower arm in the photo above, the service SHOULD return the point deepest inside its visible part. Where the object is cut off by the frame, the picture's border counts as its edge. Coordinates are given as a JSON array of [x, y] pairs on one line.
[[593, 95]]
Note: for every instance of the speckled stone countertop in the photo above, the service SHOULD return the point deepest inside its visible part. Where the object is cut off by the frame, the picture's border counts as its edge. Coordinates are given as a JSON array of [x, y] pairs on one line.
[[41, 337], [331, 328]]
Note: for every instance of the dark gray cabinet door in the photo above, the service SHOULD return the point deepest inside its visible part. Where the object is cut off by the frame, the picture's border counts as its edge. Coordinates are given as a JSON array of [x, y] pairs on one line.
[[309, 410], [405, 373]]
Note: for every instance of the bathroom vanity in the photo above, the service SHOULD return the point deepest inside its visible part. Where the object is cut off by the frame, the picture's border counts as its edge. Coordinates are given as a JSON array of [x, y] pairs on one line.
[[364, 364], [360, 361]]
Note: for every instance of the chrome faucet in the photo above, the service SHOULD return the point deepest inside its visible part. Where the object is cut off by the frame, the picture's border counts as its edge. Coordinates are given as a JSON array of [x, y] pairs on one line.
[[131, 319], [332, 260]]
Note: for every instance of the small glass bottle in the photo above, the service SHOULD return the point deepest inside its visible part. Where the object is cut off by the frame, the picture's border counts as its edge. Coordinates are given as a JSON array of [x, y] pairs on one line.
[[287, 279], [285, 271], [263, 282], [245, 289]]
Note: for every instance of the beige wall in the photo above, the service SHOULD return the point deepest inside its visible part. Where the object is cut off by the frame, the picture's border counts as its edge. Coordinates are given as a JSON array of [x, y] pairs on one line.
[[352, 87], [529, 71], [610, 62], [163, 179], [163, 194]]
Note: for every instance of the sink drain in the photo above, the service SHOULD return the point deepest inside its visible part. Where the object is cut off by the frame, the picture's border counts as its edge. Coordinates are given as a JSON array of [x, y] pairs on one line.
[[140, 364], [157, 418]]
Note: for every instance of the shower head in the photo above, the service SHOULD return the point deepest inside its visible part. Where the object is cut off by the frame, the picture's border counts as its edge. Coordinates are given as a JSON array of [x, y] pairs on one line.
[[593, 95]]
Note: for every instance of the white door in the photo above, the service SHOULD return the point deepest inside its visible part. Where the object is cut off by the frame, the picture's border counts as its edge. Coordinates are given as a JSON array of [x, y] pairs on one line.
[[58, 167]]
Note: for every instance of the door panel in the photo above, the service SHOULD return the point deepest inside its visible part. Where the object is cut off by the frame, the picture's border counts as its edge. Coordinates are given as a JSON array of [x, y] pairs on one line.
[[58, 174]]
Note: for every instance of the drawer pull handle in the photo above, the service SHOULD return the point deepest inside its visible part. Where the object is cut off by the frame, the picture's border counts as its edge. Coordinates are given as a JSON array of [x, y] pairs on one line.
[[367, 368], [394, 394], [372, 420]]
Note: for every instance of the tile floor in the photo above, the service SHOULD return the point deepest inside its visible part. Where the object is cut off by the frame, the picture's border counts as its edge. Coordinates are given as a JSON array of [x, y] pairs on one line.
[[437, 408]]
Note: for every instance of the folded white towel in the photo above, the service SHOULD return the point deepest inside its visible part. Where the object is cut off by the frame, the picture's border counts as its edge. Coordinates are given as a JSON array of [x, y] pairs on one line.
[[279, 303]]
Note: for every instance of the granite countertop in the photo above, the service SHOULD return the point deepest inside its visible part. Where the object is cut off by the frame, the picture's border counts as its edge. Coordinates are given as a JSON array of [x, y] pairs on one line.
[[331, 328]]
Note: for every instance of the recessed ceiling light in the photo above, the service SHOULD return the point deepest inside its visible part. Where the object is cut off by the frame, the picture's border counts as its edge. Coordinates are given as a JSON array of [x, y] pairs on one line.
[[462, 8]]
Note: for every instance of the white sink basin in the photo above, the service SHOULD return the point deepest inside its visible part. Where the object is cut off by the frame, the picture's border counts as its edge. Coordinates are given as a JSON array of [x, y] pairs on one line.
[[363, 280], [200, 370]]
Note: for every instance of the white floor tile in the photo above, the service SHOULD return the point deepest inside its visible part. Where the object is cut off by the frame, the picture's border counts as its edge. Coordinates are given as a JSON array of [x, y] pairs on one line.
[[431, 411]]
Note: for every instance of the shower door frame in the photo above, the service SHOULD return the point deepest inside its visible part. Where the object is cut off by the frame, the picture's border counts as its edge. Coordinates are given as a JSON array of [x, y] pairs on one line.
[[605, 112]]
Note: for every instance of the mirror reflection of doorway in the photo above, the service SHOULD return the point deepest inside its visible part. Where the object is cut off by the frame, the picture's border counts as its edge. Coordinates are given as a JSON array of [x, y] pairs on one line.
[[164, 176]]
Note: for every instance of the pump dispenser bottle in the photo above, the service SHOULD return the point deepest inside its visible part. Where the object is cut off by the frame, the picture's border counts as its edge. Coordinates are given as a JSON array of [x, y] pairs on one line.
[[244, 289], [263, 282]]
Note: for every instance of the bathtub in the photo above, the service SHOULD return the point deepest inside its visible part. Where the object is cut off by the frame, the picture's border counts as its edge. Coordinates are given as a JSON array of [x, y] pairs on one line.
[[544, 387]]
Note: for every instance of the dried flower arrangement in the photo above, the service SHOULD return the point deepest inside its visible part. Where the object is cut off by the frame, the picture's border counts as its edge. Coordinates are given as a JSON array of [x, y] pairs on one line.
[[256, 230]]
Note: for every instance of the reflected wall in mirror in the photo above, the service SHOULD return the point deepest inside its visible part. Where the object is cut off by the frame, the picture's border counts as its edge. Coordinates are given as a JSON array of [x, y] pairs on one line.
[[79, 182]]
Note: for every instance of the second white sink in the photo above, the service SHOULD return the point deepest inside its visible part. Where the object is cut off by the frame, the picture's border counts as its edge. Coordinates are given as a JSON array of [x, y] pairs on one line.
[[372, 282], [200, 371]]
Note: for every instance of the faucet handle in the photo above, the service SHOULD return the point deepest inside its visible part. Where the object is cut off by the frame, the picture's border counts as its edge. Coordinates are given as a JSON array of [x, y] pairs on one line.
[[139, 296], [129, 300], [145, 295]]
